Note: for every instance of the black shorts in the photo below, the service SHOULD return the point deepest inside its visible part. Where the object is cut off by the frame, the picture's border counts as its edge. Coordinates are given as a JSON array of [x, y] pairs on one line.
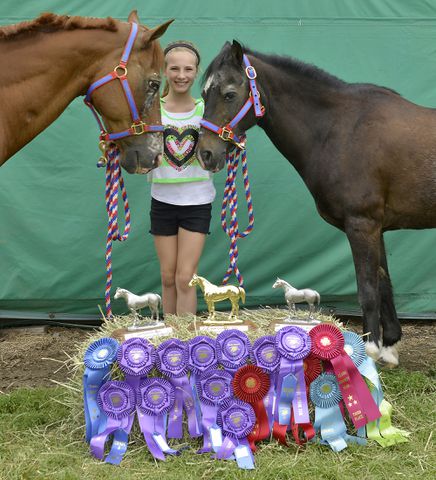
[[165, 219]]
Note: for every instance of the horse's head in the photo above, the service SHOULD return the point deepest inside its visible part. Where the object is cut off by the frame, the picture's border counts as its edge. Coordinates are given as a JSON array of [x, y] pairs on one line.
[[279, 283], [226, 90], [118, 105], [195, 280], [119, 293]]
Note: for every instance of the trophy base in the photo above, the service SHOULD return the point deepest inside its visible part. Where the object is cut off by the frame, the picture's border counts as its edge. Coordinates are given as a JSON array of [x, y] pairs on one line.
[[298, 322], [158, 329], [218, 326]]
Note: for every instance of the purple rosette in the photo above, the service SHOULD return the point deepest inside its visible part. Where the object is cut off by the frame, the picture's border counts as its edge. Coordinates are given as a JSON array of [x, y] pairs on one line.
[[172, 361], [117, 400], [237, 420], [265, 355], [294, 344], [136, 358], [202, 354], [155, 398], [214, 387], [233, 349]]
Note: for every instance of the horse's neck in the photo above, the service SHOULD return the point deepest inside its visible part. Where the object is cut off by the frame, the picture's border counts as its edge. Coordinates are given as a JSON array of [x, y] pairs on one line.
[[42, 74], [287, 287], [298, 110]]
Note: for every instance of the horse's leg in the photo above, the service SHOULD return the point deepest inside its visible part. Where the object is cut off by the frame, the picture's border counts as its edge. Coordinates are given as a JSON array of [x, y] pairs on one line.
[[388, 314], [364, 236], [235, 307], [211, 308]]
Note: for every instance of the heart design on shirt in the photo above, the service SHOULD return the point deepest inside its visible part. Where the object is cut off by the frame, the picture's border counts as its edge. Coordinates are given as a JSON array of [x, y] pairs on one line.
[[179, 146]]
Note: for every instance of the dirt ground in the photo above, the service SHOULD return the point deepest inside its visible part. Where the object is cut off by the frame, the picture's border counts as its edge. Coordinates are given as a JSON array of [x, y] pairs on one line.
[[36, 359]]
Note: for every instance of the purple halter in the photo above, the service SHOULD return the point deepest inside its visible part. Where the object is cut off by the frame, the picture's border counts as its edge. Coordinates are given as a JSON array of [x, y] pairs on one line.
[[226, 132], [138, 127]]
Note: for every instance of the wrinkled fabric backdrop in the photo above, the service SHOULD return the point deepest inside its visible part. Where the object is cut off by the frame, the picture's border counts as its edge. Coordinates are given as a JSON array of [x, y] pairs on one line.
[[52, 211]]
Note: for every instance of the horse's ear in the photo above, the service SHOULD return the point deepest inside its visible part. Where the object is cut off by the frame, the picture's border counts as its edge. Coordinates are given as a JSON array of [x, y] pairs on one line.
[[133, 17], [157, 32], [237, 52]]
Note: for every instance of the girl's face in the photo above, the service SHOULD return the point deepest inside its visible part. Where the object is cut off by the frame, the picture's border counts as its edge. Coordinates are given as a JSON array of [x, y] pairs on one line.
[[180, 70]]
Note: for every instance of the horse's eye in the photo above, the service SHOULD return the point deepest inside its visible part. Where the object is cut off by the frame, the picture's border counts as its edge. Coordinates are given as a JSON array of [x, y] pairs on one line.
[[229, 96], [154, 85]]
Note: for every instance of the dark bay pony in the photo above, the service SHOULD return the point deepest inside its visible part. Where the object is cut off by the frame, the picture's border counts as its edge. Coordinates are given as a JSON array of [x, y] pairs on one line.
[[367, 155], [51, 60]]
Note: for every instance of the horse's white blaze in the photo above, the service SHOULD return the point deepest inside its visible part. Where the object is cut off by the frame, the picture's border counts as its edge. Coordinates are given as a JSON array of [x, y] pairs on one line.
[[372, 350], [389, 356], [208, 83]]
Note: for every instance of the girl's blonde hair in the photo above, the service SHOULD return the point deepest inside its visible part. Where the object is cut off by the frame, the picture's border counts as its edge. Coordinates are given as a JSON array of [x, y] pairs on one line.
[[180, 45]]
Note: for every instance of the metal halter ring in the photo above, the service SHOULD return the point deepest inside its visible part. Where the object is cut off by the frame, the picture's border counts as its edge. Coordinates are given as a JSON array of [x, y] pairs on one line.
[[123, 68], [250, 72], [226, 134]]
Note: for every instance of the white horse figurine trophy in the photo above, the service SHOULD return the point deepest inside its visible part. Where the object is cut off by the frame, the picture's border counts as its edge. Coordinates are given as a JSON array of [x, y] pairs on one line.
[[212, 293], [137, 302], [293, 296]]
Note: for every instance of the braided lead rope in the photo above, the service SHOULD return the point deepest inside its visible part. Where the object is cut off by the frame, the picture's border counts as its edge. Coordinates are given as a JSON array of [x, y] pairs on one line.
[[114, 182], [230, 201]]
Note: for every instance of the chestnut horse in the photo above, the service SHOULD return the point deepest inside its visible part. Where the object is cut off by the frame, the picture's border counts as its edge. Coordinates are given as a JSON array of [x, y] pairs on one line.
[[367, 155], [51, 60]]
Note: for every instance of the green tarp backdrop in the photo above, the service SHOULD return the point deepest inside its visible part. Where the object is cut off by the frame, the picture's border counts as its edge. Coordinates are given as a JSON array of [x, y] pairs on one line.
[[52, 211]]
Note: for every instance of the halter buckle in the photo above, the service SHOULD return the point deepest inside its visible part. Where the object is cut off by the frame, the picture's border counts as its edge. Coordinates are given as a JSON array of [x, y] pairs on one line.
[[139, 128], [250, 72], [226, 134]]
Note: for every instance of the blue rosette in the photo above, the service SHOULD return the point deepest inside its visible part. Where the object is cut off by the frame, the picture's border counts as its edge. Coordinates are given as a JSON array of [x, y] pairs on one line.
[[354, 347], [326, 395], [117, 399], [98, 358]]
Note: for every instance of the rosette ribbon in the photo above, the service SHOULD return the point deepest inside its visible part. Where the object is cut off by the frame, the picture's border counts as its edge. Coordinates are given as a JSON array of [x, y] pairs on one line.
[[117, 400], [233, 349], [236, 419], [98, 359], [328, 344], [293, 343], [303, 432], [380, 430], [202, 356], [251, 385], [326, 395], [154, 400], [214, 387], [172, 361], [264, 354], [136, 358]]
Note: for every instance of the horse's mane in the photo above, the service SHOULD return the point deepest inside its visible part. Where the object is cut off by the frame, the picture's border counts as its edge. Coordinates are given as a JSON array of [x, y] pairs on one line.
[[286, 64], [50, 22]]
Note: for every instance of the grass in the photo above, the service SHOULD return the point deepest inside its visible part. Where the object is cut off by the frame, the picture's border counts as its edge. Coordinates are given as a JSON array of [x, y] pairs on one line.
[[41, 437]]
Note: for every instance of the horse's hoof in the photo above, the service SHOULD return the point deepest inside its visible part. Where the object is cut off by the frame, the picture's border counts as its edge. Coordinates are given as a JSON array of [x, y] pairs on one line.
[[389, 357], [372, 350]]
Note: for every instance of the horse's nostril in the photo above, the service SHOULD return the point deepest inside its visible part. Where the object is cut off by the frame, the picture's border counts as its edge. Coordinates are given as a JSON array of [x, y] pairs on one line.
[[206, 155]]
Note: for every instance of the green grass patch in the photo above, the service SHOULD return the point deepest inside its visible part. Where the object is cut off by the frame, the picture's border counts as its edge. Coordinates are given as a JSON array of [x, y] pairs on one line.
[[39, 440]]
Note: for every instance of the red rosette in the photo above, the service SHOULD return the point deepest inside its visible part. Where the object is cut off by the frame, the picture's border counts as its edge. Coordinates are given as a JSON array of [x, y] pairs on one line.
[[251, 384], [327, 341], [312, 368]]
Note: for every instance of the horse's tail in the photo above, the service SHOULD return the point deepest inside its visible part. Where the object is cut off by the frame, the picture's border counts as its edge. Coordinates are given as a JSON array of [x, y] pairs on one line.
[[318, 298], [159, 303], [242, 294]]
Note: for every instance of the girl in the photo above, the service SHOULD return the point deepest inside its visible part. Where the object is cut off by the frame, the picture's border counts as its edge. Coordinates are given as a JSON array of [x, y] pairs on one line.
[[182, 192]]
